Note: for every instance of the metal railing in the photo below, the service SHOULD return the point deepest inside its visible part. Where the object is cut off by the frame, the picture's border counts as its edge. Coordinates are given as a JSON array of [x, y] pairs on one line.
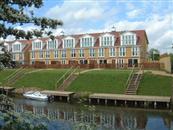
[[130, 77], [63, 77]]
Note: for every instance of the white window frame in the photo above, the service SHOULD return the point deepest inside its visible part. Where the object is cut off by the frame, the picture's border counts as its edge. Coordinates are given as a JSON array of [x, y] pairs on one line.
[[135, 51], [55, 53], [17, 47], [112, 52], [87, 41], [101, 52], [81, 53], [122, 51], [41, 54], [37, 45], [107, 40], [69, 42], [52, 44], [128, 38], [92, 52], [32, 54]]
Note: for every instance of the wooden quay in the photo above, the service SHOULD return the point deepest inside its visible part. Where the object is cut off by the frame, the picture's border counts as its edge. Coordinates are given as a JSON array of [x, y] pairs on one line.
[[6, 90], [133, 99], [59, 94]]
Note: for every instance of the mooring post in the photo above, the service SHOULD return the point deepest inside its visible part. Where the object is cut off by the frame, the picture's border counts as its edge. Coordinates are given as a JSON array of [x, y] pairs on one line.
[[155, 104], [135, 103], [106, 101], [98, 101], [145, 103], [68, 99], [167, 104], [115, 102], [125, 103], [60, 98]]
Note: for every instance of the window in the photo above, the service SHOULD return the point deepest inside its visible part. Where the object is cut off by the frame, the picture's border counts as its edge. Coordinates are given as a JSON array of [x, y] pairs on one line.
[[69, 43], [92, 52], [107, 40], [83, 61], [87, 42], [47, 54], [102, 61], [81, 53], [112, 52], [32, 55], [128, 39], [20, 57], [56, 54], [51, 44], [47, 62], [135, 51], [122, 51], [14, 57], [40, 54], [63, 53], [16, 47], [73, 54], [37, 45], [101, 52]]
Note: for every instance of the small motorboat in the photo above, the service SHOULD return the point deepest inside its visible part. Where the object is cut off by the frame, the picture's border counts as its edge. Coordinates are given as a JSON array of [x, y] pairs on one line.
[[35, 95]]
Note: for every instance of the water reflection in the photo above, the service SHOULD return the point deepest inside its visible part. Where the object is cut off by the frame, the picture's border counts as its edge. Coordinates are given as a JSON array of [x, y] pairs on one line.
[[66, 116]]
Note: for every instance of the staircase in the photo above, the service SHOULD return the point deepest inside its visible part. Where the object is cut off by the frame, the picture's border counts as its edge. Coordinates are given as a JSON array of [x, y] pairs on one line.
[[134, 80], [11, 79], [67, 79]]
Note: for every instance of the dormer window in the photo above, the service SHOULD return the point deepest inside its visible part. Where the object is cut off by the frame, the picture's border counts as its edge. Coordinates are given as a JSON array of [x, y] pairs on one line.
[[69, 42], [87, 41], [37, 45], [128, 38], [107, 40], [16, 47], [52, 44]]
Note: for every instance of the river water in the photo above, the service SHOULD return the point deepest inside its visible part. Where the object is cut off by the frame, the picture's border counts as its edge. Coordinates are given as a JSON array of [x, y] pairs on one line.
[[64, 116]]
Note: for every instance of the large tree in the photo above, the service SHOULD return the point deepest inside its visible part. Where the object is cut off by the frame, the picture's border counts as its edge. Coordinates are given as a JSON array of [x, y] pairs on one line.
[[15, 12], [154, 54]]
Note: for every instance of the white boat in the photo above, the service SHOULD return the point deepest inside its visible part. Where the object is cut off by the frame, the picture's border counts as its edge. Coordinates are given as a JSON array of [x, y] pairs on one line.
[[35, 95]]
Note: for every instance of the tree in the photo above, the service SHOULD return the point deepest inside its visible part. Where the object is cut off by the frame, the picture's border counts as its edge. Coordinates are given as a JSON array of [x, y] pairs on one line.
[[154, 54], [13, 12]]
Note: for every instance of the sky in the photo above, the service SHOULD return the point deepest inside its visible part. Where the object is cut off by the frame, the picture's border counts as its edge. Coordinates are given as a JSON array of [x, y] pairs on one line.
[[85, 16]]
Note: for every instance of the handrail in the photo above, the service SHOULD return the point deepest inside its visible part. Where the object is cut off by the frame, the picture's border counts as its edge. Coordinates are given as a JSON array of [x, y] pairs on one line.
[[130, 76], [138, 75], [62, 77], [74, 70], [13, 73]]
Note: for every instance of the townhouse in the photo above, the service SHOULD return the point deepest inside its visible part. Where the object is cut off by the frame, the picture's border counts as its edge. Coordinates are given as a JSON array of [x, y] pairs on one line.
[[124, 47]]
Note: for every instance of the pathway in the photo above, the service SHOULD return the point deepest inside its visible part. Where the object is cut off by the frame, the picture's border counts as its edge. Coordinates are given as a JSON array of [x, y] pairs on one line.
[[157, 72]]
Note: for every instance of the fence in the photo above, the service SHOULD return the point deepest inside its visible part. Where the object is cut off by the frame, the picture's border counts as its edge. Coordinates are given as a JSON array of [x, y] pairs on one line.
[[147, 65]]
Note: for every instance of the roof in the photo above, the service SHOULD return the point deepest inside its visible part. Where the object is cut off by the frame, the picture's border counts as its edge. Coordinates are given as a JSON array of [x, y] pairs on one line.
[[141, 36]]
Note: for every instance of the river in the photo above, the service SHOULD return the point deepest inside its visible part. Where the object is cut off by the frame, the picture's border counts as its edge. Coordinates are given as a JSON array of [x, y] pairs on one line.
[[65, 116]]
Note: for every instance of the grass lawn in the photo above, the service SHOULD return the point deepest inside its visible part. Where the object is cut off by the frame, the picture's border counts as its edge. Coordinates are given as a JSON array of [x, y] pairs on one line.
[[155, 85], [5, 73], [44, 79], [100, 81]]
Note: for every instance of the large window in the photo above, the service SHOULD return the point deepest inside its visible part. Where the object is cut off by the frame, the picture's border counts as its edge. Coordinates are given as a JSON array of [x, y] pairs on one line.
[[87, 42], [69, 43], [128, 39], [36, 45], [32, 54], [91, 52], [47, 54], [81, 53], [101, 52], [40, 54], [16, 47], [107, 40], [52, 44], [73, 54], [63, 53], [112, 52], [135, 51], [122, 51], [56, 54]]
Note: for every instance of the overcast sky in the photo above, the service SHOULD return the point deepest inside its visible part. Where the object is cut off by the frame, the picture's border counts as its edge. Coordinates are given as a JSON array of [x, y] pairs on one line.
[[84, 16]]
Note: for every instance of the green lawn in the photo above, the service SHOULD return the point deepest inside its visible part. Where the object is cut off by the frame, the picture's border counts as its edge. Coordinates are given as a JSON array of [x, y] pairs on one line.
[[155, 85], [100, 81], [5, 73], [44, 79]]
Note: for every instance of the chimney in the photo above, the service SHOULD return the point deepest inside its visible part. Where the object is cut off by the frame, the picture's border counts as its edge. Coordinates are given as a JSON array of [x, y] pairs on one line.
[[113, 29]]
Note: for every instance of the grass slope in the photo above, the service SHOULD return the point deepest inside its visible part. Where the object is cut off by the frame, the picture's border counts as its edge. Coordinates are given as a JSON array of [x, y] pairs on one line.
[[5, 73], [155, 85], [44, 79], [100, 81]]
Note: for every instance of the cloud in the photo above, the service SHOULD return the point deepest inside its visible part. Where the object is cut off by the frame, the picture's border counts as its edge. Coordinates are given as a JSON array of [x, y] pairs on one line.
[[134, 13]]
